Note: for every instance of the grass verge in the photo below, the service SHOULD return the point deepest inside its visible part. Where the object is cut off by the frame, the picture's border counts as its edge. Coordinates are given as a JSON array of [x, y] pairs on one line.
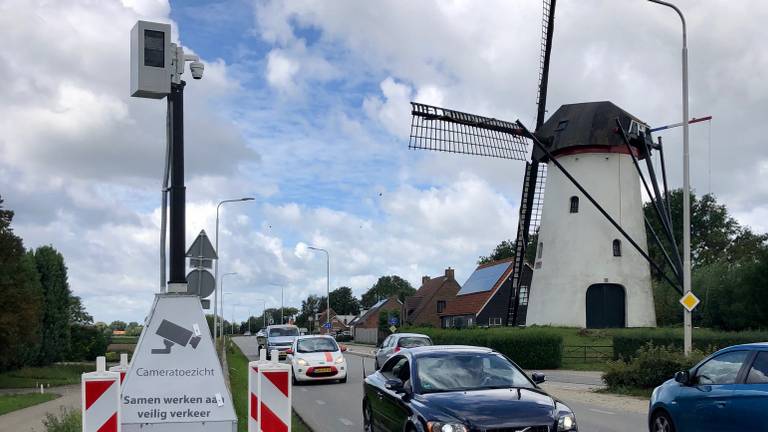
[[238, 379], [10, 403], [54, 375], [628, 391]]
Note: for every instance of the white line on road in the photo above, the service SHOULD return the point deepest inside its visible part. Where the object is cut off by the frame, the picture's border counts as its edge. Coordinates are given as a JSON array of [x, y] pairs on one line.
[[601, 411], [304, 390], [320, 402], [346, 422]]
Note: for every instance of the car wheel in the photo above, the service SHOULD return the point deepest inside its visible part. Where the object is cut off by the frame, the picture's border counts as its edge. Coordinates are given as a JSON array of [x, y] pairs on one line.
[[293, 378], [367, 417], [661, 422], [343, 380]]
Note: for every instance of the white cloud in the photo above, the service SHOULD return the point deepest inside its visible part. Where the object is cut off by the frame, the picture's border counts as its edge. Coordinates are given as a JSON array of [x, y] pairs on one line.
[[281, 71]]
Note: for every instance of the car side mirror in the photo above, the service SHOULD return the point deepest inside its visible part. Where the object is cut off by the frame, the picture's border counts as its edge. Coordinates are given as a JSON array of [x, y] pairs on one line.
[[395, 385], [683, 377], [289, 351], [538, 377], [343, 348]]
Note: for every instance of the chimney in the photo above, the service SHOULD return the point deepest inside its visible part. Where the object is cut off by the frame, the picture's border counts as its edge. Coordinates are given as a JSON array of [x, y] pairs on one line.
[[449, 273], [424, 279]]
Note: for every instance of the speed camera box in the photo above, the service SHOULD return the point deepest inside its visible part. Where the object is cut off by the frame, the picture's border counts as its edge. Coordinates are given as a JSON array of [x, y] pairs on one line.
[[151, 60]]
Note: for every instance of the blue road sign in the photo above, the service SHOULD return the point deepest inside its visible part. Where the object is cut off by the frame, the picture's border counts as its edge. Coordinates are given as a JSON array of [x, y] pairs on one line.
[[394, 321], [327, 325]]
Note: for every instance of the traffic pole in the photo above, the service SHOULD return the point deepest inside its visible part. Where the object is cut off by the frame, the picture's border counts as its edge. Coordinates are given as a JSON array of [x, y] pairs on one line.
[[100, 395], [275, 394], [177, 220], [122, 368]]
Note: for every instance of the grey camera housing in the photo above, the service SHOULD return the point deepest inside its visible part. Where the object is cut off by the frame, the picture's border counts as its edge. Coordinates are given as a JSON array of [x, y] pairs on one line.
[[197, 69], [151, 56]]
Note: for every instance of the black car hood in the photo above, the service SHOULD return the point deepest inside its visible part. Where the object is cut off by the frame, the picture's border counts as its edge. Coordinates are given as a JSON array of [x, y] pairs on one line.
[[496, 408]]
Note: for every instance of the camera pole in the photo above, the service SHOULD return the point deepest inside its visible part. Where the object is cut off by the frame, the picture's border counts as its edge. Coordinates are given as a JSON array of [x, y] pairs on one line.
[[177, 222]]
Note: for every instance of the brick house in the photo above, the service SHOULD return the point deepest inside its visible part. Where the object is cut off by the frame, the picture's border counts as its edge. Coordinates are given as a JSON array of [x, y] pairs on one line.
[[424, 307], [338, 322], [484, 298], [366, 327]]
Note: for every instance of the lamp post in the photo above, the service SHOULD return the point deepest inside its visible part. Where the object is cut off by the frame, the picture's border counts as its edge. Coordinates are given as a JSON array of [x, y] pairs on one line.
[[687, 325], [263, 314], [216, 263], [221, 287], [232, 329], [328, 283]]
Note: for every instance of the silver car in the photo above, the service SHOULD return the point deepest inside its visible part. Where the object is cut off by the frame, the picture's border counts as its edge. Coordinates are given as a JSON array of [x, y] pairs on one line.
[[395, 342]]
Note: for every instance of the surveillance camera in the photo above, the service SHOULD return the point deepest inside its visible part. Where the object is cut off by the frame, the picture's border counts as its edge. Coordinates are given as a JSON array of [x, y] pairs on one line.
[[196, 68]]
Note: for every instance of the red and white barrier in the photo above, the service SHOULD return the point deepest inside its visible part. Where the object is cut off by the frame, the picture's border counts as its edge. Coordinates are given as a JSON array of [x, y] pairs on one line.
[[274, 395], [101, 399], [253, 391], [122, 368]]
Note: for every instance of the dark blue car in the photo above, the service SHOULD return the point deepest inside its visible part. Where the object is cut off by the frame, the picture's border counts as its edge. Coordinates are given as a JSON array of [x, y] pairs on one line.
[[728, 391], [459, 389]]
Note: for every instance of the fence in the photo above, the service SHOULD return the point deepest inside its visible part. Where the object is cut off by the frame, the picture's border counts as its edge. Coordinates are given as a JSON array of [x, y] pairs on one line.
[[588, 352], [366, 335]]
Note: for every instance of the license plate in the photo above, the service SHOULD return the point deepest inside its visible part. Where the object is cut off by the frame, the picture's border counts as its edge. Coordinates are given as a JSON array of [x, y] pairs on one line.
[[323, 370]]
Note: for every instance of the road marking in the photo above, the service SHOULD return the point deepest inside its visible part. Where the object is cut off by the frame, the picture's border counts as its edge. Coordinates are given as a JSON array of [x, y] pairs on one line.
[[601, 411], [304, 390], [320, 402], [346, 422]]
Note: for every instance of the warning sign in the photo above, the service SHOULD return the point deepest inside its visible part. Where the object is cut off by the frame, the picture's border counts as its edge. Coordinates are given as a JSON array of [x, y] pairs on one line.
[[175, 378]]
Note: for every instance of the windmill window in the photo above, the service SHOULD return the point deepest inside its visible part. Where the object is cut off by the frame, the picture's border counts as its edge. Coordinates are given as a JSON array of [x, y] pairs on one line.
[[541, 250], [523, 295], [617, 248], [574, 204], [561, 126]]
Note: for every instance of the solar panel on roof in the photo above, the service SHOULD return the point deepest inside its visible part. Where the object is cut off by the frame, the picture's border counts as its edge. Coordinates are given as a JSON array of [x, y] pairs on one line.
[[484, 279], [379, 304]]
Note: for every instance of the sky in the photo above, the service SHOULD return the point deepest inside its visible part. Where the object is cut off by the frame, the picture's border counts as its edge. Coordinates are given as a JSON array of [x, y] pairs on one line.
[[305, 107]]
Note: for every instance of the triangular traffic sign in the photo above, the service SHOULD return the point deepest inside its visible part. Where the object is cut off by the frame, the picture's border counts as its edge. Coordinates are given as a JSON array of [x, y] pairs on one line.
[[202, 248]]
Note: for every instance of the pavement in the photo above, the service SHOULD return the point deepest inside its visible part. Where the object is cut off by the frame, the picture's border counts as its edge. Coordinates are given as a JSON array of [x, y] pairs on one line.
[[336, 407], [31, 418]]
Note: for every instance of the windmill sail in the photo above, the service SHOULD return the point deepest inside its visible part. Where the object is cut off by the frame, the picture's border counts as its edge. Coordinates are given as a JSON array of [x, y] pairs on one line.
[[535, 175]]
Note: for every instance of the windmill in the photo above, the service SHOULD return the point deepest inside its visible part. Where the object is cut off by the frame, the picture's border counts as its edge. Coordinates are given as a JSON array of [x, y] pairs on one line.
[[446, 130]]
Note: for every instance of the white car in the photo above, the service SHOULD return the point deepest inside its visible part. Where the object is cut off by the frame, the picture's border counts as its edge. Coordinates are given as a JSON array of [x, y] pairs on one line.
[[317, 358]]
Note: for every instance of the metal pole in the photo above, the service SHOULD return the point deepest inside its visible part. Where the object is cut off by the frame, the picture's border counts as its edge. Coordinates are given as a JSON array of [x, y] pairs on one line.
[[282, 304], [328, 284], [177, 220], [687, 324]]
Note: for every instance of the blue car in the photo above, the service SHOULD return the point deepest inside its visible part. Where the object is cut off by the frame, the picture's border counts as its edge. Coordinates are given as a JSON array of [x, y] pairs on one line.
[[459, 389], [727, 391]]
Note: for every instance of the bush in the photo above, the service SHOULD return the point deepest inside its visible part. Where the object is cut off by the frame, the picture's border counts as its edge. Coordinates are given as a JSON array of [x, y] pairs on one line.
[[343, 338], [651, 366], [87, 342], [66, 421], [627, 343], [530, 348]]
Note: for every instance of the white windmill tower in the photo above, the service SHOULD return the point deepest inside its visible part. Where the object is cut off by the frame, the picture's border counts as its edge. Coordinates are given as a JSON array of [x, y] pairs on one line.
[[585, 274]]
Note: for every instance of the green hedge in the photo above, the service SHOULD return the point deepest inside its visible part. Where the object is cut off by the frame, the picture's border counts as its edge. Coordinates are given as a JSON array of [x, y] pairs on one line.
[[651, 366], [627, 342], [530, 348]]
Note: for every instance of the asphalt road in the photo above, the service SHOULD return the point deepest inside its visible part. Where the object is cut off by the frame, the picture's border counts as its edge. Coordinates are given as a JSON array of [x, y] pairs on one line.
[[336, 407]]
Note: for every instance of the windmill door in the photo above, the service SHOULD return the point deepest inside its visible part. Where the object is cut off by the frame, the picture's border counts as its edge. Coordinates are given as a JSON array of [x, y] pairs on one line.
[[606, 306]]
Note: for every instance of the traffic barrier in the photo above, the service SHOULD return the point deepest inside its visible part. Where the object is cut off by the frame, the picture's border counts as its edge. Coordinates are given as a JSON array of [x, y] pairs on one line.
[[275, 393], [253, 391], [122, 368], [101, 399]]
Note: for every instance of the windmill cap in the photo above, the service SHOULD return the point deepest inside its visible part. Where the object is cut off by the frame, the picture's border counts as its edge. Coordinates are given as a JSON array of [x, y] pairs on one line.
[[590, 127]]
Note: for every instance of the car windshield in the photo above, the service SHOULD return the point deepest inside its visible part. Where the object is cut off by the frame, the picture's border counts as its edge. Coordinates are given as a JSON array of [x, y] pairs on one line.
[[283, 331], [316, 345], [413, 341], [468, 371]]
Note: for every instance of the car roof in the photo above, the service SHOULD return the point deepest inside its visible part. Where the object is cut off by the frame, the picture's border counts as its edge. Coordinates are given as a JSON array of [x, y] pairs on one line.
[[453, 349], [399, 335], [282, 326], [750, 346], [314, 337]]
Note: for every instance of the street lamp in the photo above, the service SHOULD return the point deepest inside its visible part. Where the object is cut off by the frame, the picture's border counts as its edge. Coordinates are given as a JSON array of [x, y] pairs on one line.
[[688, 328], [328, 282], [221, 287], [263, 314], [216, 264], [232, 329]]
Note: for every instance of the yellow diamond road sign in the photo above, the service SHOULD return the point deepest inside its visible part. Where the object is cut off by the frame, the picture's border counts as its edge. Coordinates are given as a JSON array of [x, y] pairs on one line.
[[393, 329], [690, 301]]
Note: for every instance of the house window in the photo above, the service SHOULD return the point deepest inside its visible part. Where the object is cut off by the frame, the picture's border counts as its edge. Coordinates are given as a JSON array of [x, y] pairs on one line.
[[617, 248], [440, 306], [494, 322], [574, 204], [523, 295]]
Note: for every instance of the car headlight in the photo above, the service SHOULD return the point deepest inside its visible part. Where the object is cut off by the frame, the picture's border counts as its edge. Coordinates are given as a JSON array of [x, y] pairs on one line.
[[340, 360], [301, 362], [446, 427], [566, 423]]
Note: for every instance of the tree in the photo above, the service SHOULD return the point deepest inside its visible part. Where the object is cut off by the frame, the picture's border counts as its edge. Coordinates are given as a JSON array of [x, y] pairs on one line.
[[309, 307], [506, 249], [56, 305], [385, 287], [77, 312], [118, 325], [20, 319], [343, 302]]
